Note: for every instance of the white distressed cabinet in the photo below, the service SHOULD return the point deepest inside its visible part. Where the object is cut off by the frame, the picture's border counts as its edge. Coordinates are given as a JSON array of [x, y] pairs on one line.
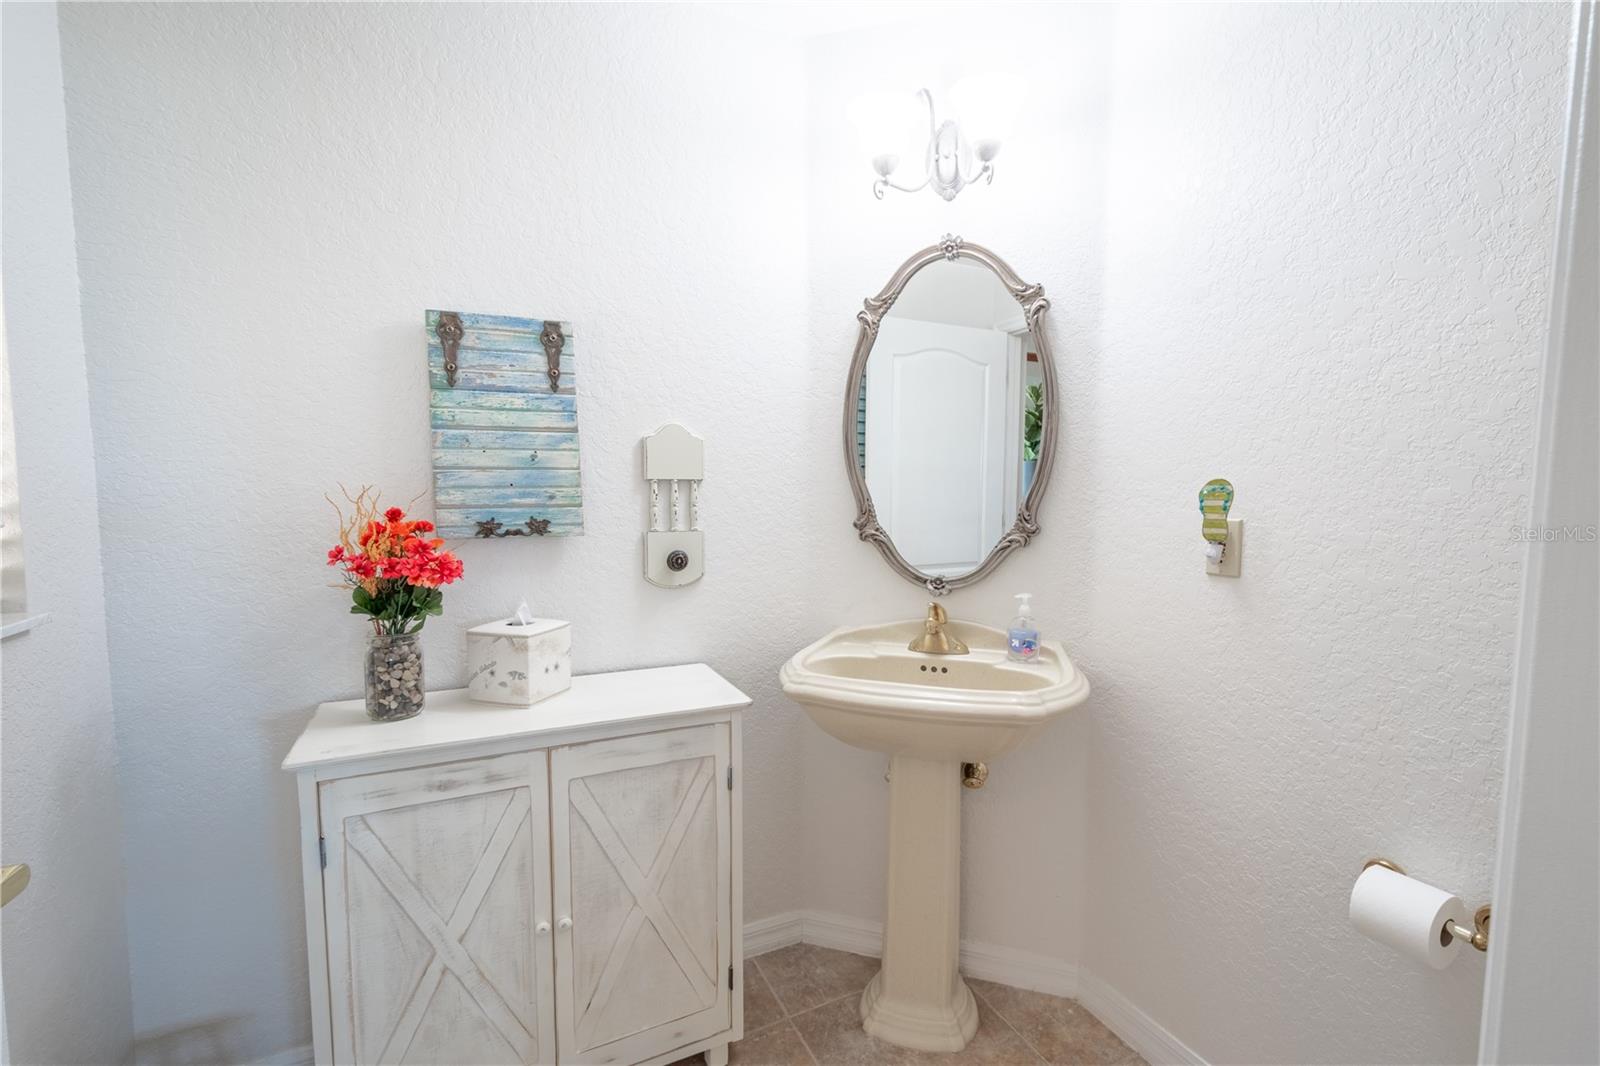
[[547, 884]]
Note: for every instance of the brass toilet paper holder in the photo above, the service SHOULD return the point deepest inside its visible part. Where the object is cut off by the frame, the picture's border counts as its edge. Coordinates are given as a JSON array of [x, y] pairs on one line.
[[1478, 936]]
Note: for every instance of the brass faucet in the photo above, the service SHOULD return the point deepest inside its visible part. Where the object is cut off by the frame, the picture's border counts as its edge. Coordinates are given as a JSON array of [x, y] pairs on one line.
[[933, 639]]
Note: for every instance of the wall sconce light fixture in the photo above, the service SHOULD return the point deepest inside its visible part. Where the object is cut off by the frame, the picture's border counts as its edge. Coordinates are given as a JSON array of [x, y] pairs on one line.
[[958, 151]]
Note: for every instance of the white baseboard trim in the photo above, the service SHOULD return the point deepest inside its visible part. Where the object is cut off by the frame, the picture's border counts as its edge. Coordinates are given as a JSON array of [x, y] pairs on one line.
[[987, 962], [842, 933], [1137, 1029], [770, 934], [1019, 969]]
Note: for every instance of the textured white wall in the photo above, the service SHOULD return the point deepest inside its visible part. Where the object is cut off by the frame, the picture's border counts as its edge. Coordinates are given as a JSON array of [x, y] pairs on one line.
[[65, 942], [1302, 247], [268, 197], [1328, 238]]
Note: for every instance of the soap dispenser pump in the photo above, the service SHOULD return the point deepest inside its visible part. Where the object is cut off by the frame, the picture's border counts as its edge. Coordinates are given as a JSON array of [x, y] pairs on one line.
[[1022, 638]]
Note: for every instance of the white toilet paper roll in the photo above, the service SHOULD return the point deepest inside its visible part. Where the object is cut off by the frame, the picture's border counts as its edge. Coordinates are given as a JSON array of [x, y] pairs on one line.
[[1407, 915]]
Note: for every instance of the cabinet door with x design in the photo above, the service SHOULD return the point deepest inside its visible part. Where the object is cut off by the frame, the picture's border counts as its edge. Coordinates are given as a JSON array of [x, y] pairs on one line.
[[437, 893], [641, 838]]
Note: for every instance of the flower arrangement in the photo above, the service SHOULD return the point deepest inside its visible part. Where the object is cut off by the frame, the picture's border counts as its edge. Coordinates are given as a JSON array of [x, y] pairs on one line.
[[393, 569]]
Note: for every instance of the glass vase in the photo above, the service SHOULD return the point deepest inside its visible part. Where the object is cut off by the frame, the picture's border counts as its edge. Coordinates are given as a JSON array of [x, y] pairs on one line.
[[394, 677]]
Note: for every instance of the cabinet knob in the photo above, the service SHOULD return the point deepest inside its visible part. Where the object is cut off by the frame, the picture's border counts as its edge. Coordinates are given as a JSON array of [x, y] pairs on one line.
[[564, 924], [543, 929]]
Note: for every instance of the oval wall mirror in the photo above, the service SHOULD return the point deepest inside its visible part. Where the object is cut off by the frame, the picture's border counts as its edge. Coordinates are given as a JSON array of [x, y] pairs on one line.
[[949, 421]]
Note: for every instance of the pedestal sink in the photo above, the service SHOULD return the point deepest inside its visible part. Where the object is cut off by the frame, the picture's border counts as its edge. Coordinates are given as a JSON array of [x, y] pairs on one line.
[[929, 713]]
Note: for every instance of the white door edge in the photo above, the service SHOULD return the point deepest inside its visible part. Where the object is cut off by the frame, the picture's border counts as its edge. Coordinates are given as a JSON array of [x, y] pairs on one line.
[[1566, 386]]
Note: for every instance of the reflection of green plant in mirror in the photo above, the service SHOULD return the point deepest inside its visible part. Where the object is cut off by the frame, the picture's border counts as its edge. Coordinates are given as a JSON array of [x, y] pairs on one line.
[[1033, 423]]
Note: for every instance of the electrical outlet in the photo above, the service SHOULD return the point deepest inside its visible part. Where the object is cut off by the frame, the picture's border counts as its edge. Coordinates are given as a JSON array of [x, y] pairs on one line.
[[1232, 552]]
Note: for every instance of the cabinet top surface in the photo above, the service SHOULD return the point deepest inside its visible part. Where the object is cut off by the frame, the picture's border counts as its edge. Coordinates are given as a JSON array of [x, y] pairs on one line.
[[341, 732]]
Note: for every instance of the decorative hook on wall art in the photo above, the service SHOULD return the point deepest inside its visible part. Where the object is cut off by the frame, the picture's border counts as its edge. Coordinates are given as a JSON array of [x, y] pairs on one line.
[[533, 527], [552, 340], [448, 330]]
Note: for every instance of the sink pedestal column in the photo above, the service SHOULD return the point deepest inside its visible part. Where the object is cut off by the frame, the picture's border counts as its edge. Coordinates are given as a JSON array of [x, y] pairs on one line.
[[918, 999]]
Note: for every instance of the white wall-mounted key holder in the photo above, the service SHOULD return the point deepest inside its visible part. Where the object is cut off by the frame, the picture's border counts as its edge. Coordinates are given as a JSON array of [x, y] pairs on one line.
[[674, 546]]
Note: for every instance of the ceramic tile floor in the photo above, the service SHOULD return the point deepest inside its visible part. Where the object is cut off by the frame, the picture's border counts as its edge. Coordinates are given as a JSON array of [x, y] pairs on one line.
[[801, 1009]]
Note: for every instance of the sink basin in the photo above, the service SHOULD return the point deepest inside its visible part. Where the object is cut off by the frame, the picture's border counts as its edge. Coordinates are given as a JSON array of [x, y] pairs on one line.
[[863, 687], [929, 713]]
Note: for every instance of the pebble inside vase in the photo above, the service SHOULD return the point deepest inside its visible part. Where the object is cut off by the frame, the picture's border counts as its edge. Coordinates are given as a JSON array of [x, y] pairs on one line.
[[394, 678]]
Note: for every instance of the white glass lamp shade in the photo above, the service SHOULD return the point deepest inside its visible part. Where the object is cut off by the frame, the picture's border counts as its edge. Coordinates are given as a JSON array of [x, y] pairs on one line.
[[986, 107], [886, 127]]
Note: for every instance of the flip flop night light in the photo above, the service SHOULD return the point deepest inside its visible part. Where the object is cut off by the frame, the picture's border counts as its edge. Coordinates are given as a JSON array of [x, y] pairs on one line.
[[1215, 499]]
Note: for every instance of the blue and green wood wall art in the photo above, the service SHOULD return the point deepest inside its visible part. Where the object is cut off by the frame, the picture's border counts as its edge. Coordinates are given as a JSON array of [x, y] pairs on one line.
[[503, 410]]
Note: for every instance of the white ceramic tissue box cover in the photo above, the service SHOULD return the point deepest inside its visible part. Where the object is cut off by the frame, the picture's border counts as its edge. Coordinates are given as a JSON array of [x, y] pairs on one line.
[[509, 662]]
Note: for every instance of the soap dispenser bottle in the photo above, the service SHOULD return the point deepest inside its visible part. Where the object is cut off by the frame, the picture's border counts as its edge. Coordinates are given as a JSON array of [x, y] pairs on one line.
[[1022, 638]]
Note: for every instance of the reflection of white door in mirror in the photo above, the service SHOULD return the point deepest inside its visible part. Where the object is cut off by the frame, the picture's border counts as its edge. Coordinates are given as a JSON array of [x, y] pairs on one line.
[[941, 419]]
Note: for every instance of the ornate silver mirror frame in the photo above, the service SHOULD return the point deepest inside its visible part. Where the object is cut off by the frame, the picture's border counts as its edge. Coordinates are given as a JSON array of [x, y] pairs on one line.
[[1034, 306]]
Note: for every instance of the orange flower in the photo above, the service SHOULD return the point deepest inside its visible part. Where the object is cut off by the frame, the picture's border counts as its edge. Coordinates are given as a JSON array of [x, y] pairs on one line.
[[384, 558]]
